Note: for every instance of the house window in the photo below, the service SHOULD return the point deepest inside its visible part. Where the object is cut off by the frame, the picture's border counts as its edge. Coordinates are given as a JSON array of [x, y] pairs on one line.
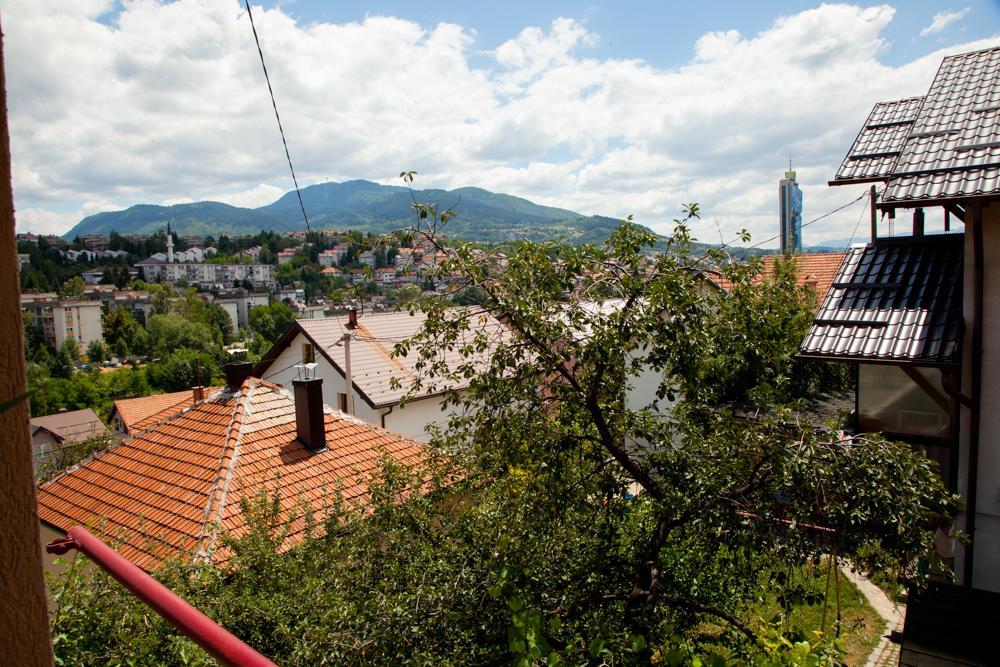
[[342, 402], [308, 353]]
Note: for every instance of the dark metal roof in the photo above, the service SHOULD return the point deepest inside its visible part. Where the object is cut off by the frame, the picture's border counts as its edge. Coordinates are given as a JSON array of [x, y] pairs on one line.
[[899, 300], [878, 145], [943, 146]]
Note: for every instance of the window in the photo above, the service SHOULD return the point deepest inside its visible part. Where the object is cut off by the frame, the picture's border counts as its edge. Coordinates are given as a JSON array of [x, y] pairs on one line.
[[308, 353], [342, 402]]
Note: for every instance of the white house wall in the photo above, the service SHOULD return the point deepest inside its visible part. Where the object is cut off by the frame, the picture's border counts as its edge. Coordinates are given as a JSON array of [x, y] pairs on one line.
[[412, 419]]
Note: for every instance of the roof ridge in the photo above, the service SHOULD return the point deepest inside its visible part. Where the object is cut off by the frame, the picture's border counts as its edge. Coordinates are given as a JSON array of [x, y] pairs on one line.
[[180, 413], [227, 464]]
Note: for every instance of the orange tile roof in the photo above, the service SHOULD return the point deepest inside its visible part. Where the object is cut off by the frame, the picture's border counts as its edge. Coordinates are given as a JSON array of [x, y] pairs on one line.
[[817, 270], [141, 414], [168, 492]]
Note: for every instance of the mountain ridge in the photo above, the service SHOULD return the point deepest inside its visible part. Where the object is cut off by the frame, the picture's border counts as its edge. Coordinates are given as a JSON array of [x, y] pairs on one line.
[[482, 215]]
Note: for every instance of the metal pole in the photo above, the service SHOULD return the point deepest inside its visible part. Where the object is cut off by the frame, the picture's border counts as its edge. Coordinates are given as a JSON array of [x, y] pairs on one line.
[[216, 640], [347, 373]]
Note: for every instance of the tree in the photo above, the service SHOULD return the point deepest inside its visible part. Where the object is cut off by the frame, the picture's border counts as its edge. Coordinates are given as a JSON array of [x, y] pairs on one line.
[[96, 352], [181, 370], [71, 348], [557, 404], [62, 364], [122, 332], [272, 320], [73, 288], [174, 332]]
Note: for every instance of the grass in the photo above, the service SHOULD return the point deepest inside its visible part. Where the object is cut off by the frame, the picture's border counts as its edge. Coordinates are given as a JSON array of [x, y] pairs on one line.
[[860, 627]]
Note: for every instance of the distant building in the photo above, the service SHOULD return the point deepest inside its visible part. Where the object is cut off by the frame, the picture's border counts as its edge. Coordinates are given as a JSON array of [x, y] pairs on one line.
[[23, 260], [285, 256], [59, 319], [94, 242], [196, 273], [790, 211]]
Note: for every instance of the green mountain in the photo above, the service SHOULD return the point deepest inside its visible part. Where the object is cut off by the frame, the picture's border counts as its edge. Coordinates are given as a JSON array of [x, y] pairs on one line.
[[481, 215]]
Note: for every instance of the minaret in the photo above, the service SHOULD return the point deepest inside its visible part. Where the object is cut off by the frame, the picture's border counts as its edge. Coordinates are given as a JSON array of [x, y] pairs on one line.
[[170, 245]]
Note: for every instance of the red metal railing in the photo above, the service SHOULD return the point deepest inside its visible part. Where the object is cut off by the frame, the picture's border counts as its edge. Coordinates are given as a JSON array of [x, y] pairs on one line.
[[222, 645]]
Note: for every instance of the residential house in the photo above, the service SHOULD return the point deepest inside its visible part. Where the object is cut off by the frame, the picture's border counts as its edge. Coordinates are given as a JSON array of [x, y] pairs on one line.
[[371, 339], [94, 242], [52, 433], [285, 256], [170, 492], [915, 315], [23, 260], [367, 258], [132, 416]]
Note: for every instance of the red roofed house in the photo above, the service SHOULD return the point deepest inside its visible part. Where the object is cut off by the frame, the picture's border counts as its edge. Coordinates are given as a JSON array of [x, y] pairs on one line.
[[170, 492], [131, 416]]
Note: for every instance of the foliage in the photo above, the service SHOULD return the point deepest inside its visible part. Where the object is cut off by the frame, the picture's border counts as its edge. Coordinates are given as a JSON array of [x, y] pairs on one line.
[[174, 332], [92, 389], [73, 288], [272, 320], [96, 352], [182, 369], [122, 334]]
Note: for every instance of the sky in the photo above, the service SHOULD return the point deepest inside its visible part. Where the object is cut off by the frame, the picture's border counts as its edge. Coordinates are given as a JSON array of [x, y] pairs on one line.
[[623, 108]]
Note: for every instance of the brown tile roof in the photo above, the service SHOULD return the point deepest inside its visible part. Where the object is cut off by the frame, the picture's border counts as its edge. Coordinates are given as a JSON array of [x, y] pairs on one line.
[[943, 146], [141, 414], [71, 426], [372, 366], [167, 492]]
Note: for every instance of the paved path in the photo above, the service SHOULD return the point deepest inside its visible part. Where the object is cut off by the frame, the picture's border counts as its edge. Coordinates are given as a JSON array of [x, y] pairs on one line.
[[886, 653]]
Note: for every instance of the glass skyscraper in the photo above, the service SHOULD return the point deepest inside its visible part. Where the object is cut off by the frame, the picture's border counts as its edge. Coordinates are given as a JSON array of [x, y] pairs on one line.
[[790, 208]]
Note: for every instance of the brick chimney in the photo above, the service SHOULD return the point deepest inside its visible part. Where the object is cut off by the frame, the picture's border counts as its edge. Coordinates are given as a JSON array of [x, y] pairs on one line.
[[198, 392], [310, 428], [352, 317]]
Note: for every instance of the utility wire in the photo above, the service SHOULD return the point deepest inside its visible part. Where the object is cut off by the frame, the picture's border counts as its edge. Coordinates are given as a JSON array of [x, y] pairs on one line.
[[825, 215], [276, 116]]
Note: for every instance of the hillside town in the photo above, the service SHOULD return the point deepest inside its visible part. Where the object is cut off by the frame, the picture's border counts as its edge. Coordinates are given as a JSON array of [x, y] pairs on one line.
[[346, 446]]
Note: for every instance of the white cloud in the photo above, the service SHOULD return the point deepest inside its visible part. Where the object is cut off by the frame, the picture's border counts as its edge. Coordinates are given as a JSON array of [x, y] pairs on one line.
[[169, 104], [942, 20], [259, 195]]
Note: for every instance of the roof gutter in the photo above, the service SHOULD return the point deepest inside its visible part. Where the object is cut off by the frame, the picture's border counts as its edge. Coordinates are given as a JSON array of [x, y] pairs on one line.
[[975, 391]]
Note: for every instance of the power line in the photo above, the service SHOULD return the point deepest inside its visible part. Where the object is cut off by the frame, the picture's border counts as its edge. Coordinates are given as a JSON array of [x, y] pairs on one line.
[[825, 215], [276, 116]]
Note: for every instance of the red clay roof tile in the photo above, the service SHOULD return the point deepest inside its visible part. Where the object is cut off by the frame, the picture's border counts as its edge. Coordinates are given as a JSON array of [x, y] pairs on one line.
[[168, 492]]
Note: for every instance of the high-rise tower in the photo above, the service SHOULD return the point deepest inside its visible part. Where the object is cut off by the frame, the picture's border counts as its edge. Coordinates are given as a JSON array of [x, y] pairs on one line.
[[790, 209]]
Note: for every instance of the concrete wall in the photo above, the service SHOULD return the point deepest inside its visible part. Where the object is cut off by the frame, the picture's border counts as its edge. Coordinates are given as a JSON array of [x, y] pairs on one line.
[[986, 566]]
